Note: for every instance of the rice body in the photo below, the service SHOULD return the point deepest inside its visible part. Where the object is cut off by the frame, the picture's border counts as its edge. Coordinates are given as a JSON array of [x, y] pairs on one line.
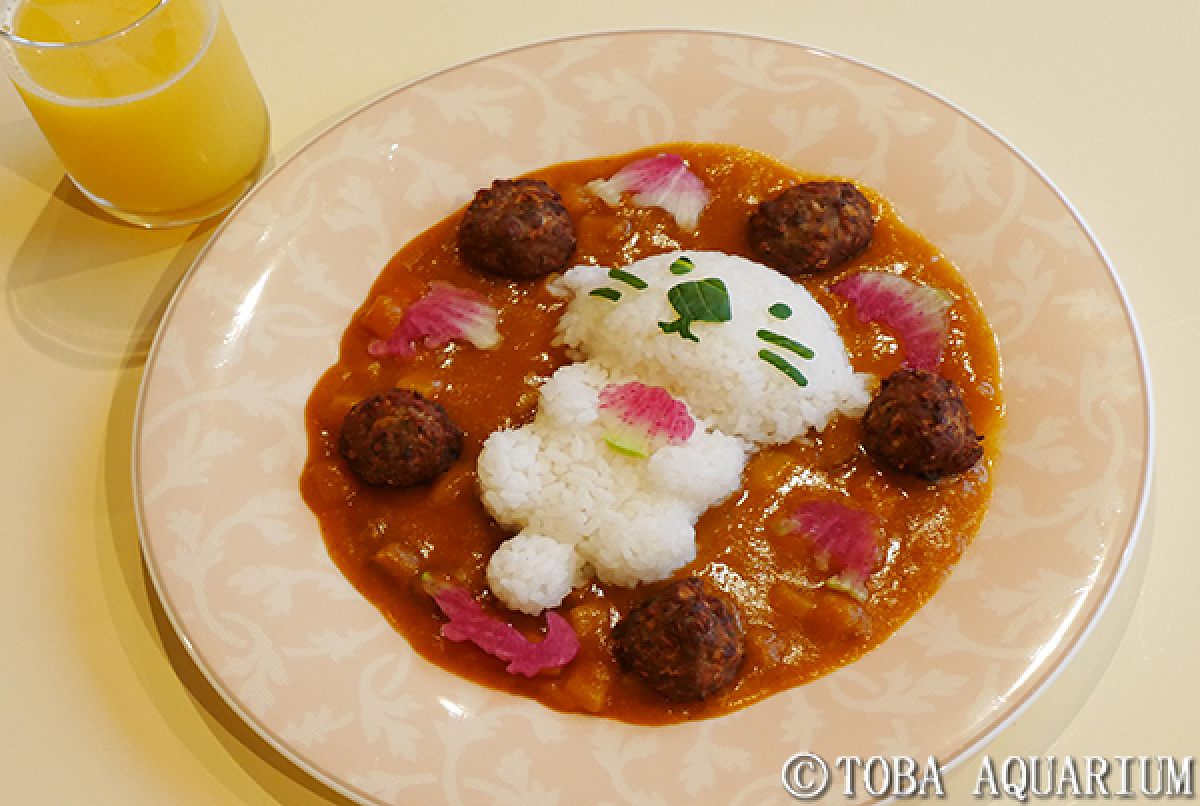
[[624, 519], [629, 520], [721, 376]]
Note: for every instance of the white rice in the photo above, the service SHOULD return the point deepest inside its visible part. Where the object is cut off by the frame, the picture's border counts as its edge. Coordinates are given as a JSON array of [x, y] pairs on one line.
[[721, 376], [581, 508]]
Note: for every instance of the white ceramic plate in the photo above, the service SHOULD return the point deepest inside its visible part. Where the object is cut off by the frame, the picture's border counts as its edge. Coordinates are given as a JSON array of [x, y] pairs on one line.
[[240, 565]]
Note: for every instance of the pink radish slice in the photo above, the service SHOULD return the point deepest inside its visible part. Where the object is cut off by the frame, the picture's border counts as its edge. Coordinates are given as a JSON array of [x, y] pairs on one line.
[[640, 419], [468, 622], [663, 181], [444, 314], [844, 539], [917, 313]]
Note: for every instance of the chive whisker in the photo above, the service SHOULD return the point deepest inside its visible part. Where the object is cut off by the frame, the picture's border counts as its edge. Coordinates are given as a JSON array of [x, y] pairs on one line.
[[628, 279], [780, 340], [783, 365]]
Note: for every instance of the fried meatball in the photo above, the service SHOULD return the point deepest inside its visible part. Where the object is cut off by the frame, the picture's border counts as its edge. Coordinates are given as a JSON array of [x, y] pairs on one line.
[[918, 424], [686, 644], [517, 228], [811, 227], [399, 439]]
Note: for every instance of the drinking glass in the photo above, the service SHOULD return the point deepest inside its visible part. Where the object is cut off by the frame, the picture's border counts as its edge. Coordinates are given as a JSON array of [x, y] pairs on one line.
[[148, 103]]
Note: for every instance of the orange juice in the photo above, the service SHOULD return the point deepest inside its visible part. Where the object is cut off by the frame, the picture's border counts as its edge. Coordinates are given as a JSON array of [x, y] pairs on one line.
[[159, 122]]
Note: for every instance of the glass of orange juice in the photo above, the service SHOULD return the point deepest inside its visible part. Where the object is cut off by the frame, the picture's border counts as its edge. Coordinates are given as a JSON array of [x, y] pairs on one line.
[[148, 103]]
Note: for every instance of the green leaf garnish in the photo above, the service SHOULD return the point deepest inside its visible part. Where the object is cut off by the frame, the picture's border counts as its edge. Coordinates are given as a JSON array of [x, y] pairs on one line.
[[626, 447], [682, 265], [780, 310], [783, 365], [607, 293], [627, 278], [780, 340], [704, 300]]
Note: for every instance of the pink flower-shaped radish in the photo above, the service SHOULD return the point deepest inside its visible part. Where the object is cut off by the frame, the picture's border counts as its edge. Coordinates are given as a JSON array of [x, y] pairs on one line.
[[844, 539], [444, 314], [468, 622], [663, 181], [917, 313], [639, 419]]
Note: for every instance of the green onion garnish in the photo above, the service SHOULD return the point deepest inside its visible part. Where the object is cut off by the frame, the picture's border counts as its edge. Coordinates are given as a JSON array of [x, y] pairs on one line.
[[608, 293], [780, 311], [780, 363], [780, 340], [627, 278], [682, 265]]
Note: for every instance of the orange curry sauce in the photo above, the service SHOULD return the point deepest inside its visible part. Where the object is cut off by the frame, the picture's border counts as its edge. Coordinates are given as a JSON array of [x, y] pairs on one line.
[[796, 629]]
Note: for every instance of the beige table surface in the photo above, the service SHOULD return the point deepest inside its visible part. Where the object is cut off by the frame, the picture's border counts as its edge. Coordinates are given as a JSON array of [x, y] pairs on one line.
[[99, 704]]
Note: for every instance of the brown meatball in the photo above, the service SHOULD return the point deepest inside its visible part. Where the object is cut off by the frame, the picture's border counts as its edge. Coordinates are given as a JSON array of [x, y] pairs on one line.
[[684, 643], [398, 439], [517, 228], [812, 227], [918, 424]]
